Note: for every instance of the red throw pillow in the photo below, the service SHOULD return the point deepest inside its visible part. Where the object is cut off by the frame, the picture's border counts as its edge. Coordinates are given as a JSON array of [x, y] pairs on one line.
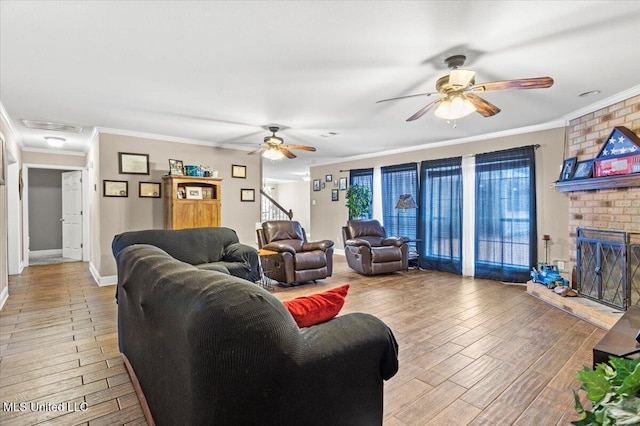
[[317, 308]]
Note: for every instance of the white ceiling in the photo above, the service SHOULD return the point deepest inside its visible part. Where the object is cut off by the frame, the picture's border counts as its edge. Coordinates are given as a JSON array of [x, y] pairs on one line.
[[222, 72]]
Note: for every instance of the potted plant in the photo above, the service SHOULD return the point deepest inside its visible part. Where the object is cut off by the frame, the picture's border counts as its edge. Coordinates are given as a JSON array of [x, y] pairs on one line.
[[614, 392], [358, 201]]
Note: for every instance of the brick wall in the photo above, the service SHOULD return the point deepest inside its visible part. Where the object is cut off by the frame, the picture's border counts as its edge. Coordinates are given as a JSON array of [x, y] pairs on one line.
[[612, 209]]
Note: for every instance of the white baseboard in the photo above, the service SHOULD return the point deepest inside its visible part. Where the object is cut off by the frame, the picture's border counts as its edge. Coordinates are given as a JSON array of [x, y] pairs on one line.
[[4, 296], [41, 253], [102, 281]]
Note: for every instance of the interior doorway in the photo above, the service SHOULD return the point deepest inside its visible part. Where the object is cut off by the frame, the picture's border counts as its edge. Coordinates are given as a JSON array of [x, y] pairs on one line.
[[60, 232]]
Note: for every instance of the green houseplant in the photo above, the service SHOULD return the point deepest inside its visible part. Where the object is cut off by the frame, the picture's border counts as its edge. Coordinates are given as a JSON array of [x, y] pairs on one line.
[[614, 391], [358, 201]]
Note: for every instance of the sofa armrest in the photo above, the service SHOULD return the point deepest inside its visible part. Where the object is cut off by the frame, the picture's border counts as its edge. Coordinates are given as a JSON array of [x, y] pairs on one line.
[[317, 245], [395, 241], [239, 252], [357, 242], [279, 247], [358, 340]]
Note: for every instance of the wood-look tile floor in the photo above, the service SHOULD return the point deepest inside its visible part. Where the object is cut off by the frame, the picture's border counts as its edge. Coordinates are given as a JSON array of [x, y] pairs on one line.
[[471, 351]]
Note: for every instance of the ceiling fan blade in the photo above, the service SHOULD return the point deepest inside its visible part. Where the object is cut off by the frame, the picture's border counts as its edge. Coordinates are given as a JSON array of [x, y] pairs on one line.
[[286, 152], [484, 108], [407, 96], [302, 147], [524, 83], [461, 78], [424, 110], [255, 151]]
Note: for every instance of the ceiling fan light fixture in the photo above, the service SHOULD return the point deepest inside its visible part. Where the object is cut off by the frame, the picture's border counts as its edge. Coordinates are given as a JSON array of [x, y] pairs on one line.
[[273, 153], [455, 107], [54, 141]]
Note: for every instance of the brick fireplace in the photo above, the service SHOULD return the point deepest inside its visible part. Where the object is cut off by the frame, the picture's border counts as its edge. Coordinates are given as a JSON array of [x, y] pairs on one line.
[[612, 209]]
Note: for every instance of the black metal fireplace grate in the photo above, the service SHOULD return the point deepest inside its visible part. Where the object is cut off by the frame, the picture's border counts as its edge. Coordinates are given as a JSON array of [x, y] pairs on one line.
[[608, 266]]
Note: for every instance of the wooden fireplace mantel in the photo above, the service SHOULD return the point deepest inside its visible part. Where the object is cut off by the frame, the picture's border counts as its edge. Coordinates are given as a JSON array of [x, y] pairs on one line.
[[605, 182]]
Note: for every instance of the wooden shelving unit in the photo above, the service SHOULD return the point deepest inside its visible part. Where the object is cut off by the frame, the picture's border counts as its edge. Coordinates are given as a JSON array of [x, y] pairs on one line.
[[605, 182], [182, 212]]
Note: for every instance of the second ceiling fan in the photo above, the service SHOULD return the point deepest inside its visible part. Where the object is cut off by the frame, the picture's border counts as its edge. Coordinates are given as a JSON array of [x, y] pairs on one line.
[[274, 147], [458, 88]]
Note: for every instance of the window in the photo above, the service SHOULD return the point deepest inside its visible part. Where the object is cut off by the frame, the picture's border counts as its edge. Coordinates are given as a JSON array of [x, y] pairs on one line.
[[505, 216], [362, 177], [400, 180], [441, 215]]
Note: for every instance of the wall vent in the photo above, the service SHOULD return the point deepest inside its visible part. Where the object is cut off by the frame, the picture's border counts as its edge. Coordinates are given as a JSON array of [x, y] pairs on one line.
[[47, 125]]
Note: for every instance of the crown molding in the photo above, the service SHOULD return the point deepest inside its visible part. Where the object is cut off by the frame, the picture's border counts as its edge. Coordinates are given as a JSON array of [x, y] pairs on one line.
[[495, 135], [12, 128], [145, 135]]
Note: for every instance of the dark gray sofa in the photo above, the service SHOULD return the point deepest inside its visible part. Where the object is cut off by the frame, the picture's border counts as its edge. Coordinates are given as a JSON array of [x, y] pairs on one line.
[[217, 249], [209, 348]]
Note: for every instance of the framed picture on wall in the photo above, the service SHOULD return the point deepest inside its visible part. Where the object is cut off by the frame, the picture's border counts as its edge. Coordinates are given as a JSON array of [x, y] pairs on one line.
[[149, 190], [247, 194], [343, 184], [133, 164], [334, 195], [115, 188], [238, 171], [316, 184], [1, 159]]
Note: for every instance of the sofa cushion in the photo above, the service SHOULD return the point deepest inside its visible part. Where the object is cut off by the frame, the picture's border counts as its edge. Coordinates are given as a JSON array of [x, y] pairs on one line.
[[317, 308]]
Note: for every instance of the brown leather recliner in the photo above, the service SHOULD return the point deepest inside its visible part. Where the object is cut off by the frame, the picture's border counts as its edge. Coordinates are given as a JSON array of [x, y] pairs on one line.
[[297, 260], [369, 251]]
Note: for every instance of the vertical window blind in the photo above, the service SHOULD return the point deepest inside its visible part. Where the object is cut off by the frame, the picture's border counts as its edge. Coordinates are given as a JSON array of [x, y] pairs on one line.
[[362, 177], [440, 218], [399, 180], [505, 215]]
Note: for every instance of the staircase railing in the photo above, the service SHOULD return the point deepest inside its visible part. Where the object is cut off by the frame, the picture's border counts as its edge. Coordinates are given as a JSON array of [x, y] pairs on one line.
[[271, 210]]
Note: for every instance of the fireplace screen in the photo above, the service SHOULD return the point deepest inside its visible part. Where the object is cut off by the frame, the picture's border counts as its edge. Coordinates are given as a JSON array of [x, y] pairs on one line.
[[608, 266]]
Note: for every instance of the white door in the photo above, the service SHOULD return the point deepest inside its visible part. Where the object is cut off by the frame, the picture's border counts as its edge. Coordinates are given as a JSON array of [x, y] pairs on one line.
[[72, 215]]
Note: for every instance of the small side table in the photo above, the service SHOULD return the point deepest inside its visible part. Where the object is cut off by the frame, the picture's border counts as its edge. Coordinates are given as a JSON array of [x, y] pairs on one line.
[[620, 341], [413, 256], [265, 267]]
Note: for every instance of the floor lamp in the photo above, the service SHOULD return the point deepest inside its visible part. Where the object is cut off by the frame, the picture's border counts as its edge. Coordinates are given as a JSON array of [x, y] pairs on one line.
[[405, 202]]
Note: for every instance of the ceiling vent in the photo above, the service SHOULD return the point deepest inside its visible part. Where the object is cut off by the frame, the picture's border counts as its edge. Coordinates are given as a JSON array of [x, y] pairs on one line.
[[47, 125]]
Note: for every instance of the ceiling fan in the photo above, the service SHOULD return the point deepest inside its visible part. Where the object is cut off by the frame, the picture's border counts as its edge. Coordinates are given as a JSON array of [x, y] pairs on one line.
[[458, 87], [274, 147]]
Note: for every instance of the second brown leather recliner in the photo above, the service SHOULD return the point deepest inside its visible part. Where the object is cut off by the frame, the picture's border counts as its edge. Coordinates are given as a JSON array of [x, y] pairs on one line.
[[297, 260], [369, 251]]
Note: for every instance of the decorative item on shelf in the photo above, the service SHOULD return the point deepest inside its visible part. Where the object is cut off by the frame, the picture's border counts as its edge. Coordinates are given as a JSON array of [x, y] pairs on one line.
[[115, 188], [568, 168], [584, 170], [133, 164], [619, 155], [193, 192], [149, 190], [546, 238], [405, 202], [359, 199], [176, 168], [191, 170]]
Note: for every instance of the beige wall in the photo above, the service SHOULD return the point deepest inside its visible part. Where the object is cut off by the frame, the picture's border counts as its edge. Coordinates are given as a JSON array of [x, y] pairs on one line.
[[53, 159], [10, 145], [132, 213], [328, 217], [295, 196]]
